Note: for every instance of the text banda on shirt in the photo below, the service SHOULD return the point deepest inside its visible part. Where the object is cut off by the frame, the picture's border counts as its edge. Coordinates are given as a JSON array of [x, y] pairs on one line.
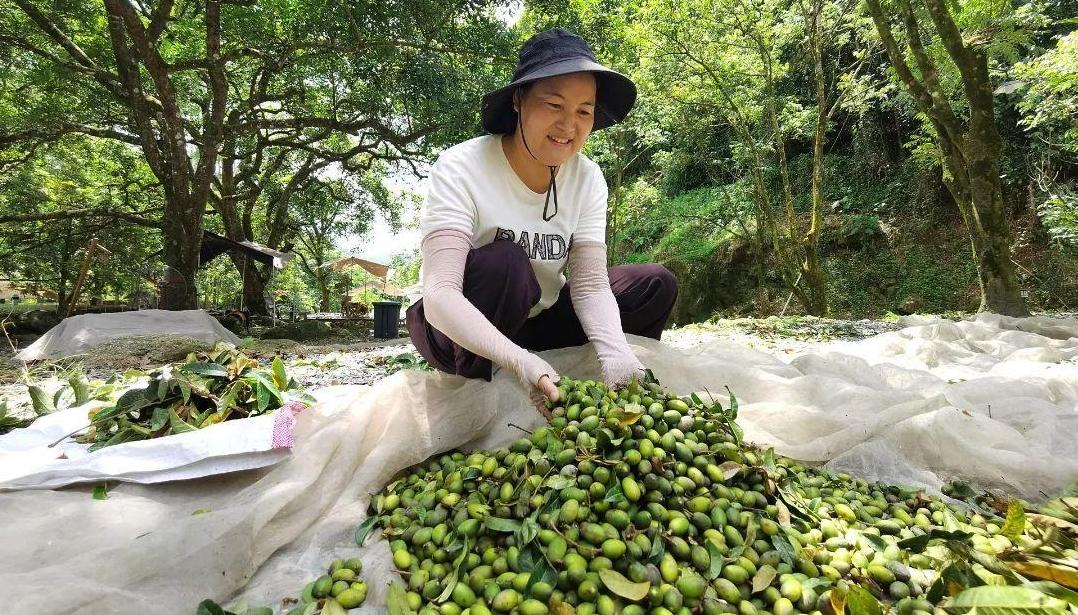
[[545, 246]]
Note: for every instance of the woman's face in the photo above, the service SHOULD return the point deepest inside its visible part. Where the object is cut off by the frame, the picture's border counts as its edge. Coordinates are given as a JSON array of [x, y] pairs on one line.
[[558, 113]]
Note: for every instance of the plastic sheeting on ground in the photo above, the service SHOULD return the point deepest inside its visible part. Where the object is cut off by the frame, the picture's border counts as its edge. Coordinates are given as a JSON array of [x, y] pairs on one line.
[[78, 334], [32, 458], [910, 406]]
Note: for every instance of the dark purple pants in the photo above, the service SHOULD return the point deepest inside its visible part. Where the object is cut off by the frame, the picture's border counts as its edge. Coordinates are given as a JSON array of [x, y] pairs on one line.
[[499, 281]]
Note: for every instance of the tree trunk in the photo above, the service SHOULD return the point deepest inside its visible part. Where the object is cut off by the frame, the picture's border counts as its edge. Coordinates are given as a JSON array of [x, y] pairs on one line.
[[323, 288], [970, 151], [815, 276], [183, 240], [254, 289]]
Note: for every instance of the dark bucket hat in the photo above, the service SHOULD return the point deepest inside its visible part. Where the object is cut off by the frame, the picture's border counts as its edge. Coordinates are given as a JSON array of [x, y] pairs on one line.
[[558, 52]]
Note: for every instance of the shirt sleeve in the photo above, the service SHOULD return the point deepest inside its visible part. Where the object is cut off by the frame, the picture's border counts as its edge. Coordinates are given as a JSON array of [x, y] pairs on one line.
[[447, 205], [592, 224]]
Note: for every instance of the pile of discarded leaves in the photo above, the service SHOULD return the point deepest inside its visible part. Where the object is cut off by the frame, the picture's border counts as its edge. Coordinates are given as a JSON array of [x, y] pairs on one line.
[[206, 389]]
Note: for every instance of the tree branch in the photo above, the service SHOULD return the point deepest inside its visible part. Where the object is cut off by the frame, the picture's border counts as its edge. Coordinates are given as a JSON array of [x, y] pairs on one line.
[[82, 213], [54, 32]]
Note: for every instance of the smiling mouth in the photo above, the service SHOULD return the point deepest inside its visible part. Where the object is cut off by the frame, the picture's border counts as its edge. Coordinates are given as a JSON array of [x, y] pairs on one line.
[[565, 143]]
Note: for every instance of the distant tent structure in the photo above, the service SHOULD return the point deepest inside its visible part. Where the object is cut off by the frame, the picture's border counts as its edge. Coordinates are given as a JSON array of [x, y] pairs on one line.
[[376, 269], [214, 245]]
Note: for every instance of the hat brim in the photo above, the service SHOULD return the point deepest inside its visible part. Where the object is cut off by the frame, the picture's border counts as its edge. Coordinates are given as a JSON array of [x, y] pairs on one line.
[[615, 95]]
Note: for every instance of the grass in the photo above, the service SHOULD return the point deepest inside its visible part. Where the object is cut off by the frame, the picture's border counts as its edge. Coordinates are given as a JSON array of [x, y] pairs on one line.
[[8, 308]]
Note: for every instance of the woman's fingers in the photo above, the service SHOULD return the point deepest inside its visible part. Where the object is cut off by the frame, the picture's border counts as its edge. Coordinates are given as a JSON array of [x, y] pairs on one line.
[[547, 388]]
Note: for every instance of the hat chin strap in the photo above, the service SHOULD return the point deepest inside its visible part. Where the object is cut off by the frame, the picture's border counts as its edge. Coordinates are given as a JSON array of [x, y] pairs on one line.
[[553, 187]]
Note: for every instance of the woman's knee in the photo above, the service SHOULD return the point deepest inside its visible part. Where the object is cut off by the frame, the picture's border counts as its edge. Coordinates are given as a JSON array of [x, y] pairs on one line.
[[502, 265], [500, 258], [659, 283], [666, 281]]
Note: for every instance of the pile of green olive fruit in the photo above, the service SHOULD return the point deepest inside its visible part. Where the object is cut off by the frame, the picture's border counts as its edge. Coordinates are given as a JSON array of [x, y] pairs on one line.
[[635, 501], [334, 592]]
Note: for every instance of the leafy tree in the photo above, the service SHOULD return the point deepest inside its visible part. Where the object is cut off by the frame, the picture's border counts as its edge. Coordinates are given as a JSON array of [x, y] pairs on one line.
[[726, 64], [214, 93], [330, 210], [968, 139], [49, 203]]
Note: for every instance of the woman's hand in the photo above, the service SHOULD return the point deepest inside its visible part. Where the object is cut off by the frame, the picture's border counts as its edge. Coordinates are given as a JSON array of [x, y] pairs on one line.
[[619, 368], [545, 391]]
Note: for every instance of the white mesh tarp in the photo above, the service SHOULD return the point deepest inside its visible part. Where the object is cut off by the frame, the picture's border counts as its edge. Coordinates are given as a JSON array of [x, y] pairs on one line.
[[909, 407], [77, 334]]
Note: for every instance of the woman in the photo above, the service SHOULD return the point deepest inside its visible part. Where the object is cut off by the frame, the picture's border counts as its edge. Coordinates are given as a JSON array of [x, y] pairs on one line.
[[507, 212]]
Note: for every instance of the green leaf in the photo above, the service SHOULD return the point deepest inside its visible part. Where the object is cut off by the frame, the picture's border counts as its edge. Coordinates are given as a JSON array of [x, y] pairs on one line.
[[614, 495], [1016, 521], [797, 506], [1056, 591], [729, 469], [80, 388], [264, 396], [557, 482], [877, 543], [950, 523], [452, 582], [101, 492], [917, 544], [769, 461], [41, 401], [364, 530], [785, 548], [177, 424], [1005, 600], [529, 558], [162, 389], [397, 600], [229, 401], [736, 431], [732, 412], [210, 370], [209, 607], [606, 438], [658, 549], [615, 582], [860, 602], [627, 415], [499, 524], [543, 572], [529, 529], [260, 376], [953, 579], [715, 551], [763, 578], [130, 401], [159, 419], [185, 390], [455, 545], [279, 377]]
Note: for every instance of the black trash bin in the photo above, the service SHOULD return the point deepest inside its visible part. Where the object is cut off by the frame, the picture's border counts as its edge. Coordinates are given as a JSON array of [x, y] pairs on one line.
[[386, 319]]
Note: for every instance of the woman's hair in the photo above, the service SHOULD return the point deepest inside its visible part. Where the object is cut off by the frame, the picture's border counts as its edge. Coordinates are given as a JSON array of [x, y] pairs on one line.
[[525, 88], [522, 90]]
